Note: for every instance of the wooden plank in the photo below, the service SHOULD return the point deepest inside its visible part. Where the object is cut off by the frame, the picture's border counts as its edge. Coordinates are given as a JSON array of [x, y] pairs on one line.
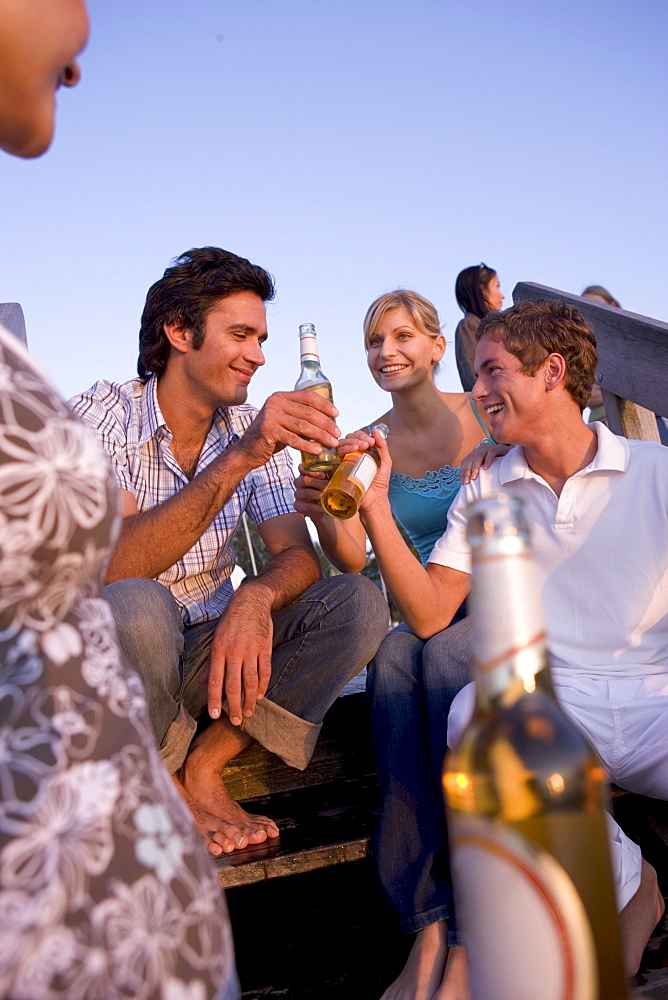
[[294, 864], [12, 318], [344, 749], [633, 349], [319, 826], [630, 419], [256, 772]]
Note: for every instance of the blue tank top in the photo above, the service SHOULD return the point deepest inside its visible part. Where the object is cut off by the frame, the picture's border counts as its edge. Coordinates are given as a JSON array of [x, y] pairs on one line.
[[421, 505]]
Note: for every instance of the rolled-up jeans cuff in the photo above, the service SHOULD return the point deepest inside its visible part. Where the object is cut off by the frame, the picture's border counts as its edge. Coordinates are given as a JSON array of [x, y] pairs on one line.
[[289, 737], [411, 925], [178, 738]]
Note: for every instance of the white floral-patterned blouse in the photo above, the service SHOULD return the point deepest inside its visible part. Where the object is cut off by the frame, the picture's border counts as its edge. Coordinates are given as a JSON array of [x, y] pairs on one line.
[[105, 890]]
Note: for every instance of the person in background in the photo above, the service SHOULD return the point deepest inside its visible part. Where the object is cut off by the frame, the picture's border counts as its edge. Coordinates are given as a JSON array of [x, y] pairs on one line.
[[597, 293], [478, 292], [432, 434]]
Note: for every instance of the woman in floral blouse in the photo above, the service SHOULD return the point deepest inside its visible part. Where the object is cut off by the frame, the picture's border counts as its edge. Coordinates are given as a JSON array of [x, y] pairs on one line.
[[105, 889]]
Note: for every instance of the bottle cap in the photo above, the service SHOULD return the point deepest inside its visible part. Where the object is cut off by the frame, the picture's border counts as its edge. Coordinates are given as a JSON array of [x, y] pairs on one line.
[[382, 429]]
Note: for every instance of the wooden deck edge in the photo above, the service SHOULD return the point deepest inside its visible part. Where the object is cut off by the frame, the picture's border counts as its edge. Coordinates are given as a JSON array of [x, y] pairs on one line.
[[230, 876]]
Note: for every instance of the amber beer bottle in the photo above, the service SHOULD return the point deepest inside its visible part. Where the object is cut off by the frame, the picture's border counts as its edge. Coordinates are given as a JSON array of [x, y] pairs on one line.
[[312, 377], [357, 470], [525, 796]]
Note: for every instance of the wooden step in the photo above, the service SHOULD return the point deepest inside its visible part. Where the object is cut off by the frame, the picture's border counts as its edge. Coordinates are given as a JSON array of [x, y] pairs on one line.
[[320, 825], [344, 749], [326, 814]]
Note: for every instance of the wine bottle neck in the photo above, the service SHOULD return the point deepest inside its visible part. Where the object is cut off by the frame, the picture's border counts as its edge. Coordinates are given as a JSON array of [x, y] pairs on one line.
[[509, 634], [308, 349], [310, 364], [520, 672]]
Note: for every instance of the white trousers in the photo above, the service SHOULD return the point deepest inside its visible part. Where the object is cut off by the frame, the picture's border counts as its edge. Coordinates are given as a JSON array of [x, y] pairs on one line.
[[626, 720]]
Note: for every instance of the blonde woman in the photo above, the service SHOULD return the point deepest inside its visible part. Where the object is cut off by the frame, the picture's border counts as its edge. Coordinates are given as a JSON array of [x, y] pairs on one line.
[[431, 434]]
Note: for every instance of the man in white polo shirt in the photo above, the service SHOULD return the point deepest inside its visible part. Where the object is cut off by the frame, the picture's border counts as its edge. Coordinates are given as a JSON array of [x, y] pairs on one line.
[[597, 507]]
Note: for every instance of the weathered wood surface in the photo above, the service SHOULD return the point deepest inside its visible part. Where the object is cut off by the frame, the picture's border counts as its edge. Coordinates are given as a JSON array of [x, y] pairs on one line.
[[302, 860], [344, 748], [321, 825], [326, 814], [633, 359], [12, 318]]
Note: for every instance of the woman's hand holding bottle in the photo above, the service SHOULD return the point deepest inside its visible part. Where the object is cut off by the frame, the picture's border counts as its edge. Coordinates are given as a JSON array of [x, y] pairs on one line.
[[361, 441], [309, 485], [308, 490]]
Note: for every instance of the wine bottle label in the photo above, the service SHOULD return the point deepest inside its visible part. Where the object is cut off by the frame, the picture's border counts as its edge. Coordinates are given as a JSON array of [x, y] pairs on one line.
[[526, 929], [308, 347], [363, 472]]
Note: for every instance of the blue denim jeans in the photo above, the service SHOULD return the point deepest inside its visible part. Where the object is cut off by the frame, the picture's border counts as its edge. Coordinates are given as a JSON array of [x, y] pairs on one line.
[[321, 640], [411, 684]]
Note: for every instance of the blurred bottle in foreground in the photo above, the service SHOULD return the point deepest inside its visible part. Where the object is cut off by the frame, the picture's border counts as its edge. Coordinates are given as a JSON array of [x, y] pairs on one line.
[[357, 470], [526, 795], [312, 377]]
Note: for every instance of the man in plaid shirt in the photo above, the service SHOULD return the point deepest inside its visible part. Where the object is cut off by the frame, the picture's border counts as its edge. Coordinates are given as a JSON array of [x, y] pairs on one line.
[[189, 457]]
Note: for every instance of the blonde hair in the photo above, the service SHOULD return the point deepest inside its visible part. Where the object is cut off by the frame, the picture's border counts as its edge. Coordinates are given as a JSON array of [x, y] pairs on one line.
[[421, 310]]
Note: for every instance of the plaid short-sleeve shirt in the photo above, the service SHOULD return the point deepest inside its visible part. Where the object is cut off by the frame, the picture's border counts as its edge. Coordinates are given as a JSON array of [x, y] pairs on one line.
[[128, 422]]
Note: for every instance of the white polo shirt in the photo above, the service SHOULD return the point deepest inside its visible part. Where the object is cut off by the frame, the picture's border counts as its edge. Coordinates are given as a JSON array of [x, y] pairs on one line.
[[601, 550]]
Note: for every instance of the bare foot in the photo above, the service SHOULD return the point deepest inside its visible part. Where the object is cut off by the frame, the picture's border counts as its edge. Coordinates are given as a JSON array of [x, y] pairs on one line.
[[222, 823], [423, 972], [232, 831], [455, 984], [639, 918]]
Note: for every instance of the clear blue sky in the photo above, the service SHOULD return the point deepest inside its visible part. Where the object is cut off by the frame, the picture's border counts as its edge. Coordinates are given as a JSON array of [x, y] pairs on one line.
[[350, 148]]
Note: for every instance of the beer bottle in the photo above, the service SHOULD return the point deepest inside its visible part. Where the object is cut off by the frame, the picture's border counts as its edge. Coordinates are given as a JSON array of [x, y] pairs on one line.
[[312, 377], [357, 470], [526, 795]]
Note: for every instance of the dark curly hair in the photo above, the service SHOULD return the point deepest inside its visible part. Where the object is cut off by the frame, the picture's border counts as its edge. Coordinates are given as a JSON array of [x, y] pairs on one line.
[[185, 293], [532, 330]]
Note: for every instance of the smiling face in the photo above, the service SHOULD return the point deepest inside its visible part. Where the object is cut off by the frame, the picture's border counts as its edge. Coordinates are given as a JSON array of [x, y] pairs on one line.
[[492, 294], [220, 371], [39, 40], [399, 353], [515, 402]]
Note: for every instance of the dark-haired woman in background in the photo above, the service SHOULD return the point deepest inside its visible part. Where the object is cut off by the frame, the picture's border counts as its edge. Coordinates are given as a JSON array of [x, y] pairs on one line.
[[478, 292]]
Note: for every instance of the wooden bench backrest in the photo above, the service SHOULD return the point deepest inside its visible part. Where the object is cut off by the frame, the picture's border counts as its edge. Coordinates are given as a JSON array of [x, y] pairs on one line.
[[632, 360]]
